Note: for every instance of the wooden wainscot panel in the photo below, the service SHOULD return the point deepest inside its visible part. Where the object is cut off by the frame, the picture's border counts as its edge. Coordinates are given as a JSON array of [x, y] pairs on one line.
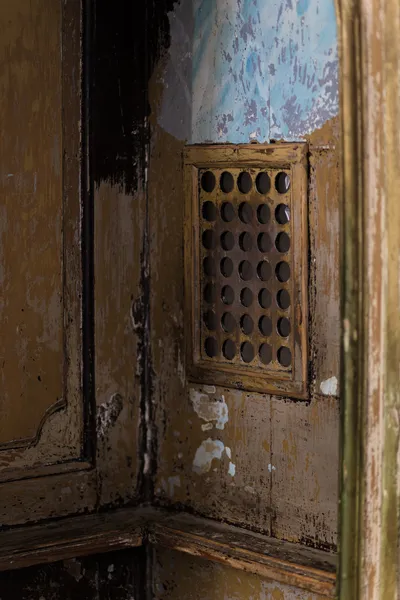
[[42, 407]]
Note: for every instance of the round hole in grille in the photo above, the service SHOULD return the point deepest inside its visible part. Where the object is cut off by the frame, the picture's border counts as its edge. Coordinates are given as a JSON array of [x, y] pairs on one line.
[[263, 183], [247, 352], [227, 294], [209, 211], [246, 296], [265, 353], [282, 182], [284, 356], [245, 270], [265, 326], [210, 320], [209, 239], [244, 182], [264, 270], [227, 212], [226, 182], [263, 214], [282, 242], [228, 322], [246, 241], [245, 212], [264, 242], [226, 267], [227, 240], [229, 349], [246, 324], [264, 298], [211, 347], [283, 299], [282, 214], [282, 271], [209, 267], [208, 181], [284, 327], [210, 293]]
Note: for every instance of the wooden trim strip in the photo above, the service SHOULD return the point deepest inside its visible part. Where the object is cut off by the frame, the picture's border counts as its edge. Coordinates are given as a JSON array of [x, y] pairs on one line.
[[283, 562], [70, 538], [370, 429]]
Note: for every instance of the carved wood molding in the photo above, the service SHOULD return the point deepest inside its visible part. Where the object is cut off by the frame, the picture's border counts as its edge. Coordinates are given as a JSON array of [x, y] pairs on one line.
[[32, 441]]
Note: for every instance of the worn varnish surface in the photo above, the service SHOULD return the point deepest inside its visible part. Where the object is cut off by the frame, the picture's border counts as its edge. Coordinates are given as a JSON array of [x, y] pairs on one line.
[[40, 342], [31, 218]]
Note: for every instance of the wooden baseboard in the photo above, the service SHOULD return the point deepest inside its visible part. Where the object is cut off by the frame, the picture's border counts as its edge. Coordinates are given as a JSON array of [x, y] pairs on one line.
[[284, 562], [292, 564]]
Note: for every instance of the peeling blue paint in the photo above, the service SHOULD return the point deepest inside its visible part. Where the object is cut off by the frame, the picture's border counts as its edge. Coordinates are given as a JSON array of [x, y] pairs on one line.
[[241, 70]]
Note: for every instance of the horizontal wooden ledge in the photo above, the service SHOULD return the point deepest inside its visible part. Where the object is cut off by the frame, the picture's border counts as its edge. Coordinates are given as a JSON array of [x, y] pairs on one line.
[[73, 537], [284, 562]]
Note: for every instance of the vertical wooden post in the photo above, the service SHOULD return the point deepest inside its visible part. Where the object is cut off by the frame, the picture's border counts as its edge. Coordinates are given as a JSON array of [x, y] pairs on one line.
[[370, 476]]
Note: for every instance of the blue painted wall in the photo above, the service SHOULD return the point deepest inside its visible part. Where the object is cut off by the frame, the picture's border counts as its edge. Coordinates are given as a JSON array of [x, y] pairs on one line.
[[240, 70]]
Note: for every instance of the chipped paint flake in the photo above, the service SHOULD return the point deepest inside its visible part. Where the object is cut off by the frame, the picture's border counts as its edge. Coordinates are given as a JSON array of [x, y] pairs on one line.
[[207, 426], [271, 468], [329, 387], [210, 409], [232, 469], [108, 413], [206, 453]]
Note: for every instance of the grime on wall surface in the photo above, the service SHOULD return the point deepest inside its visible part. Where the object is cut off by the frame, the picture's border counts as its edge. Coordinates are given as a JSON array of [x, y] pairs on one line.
[[243, 70]]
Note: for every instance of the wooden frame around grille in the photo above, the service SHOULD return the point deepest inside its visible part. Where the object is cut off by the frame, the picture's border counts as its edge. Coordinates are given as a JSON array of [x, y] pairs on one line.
[[207, 342]]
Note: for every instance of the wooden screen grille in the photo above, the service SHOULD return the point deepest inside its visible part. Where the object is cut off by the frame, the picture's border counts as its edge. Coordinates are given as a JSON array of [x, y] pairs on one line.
[[246, 266]]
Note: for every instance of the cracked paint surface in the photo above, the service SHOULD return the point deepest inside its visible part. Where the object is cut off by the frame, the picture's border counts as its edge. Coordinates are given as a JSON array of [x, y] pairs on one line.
[[274, 70]]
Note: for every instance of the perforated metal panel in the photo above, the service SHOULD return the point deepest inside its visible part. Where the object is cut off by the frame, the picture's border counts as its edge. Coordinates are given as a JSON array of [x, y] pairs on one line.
[[246, 266]]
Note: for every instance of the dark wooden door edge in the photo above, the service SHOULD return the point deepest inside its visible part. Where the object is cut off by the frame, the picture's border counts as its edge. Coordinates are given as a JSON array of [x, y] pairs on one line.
[[284, 562]]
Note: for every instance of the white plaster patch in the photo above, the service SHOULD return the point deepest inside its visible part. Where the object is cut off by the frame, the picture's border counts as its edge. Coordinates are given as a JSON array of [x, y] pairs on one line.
[[271, 468], [173, 482], [209, 389], [210, 409], [329, 386], [108, 413], [207, 426], [228, 452], [232, 469], [205, 454]]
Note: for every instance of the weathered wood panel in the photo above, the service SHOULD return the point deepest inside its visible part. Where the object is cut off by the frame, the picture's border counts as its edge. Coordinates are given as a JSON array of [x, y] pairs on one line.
[[71, 249], [41, 280], [252, 459]]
